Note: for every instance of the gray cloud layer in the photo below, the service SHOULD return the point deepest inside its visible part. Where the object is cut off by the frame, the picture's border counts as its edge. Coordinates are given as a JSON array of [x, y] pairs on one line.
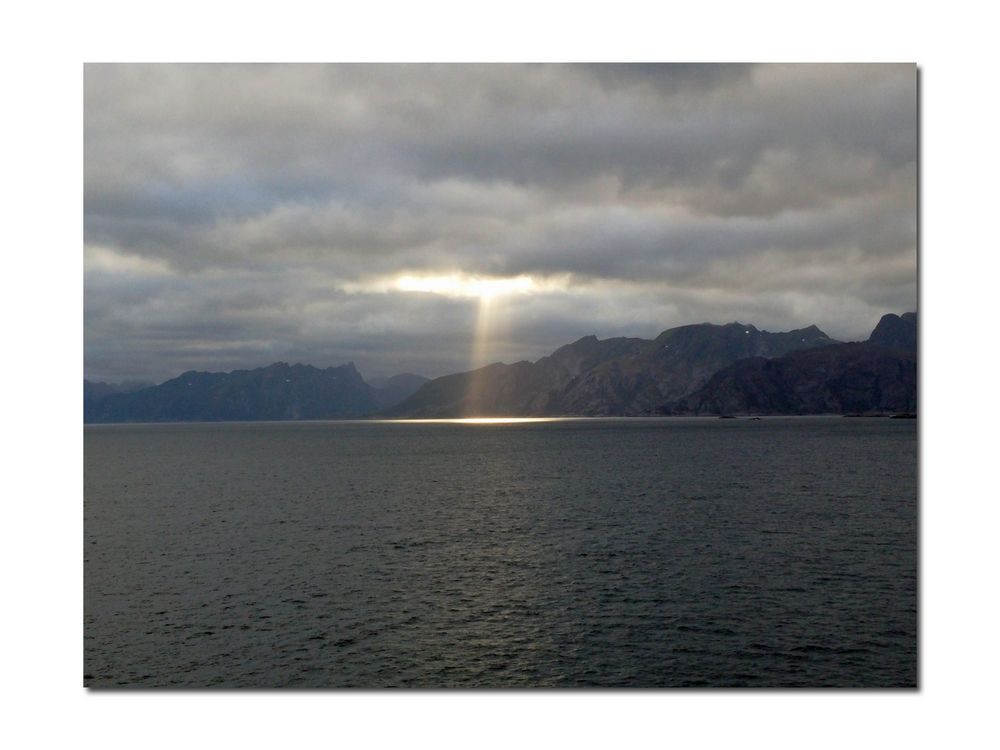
[[235, 215]]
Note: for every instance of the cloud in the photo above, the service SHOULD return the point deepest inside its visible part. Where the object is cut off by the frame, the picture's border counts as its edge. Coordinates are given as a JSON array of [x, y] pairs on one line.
[[236, 214]]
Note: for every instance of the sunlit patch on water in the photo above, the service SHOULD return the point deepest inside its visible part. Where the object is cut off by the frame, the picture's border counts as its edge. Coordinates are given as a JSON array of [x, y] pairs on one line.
[[476, 420]]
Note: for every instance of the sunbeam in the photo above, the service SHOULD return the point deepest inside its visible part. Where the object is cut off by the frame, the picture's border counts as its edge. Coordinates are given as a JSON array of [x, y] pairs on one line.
[[480, 353], [491, 293]]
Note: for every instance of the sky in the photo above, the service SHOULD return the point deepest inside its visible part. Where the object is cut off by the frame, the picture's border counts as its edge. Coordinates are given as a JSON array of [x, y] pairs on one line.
[[429, 218]]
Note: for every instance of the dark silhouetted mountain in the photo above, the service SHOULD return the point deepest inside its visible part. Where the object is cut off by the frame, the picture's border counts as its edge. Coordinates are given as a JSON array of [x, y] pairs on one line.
[[520, 388], [101, 389], [94, 393], [675, 363], [858, 378], [391, 391], [280, 391], [621, 376], [896, 332], [878, 376]]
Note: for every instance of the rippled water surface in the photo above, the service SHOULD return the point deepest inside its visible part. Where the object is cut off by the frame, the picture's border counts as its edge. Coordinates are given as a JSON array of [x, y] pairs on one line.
[[673, 552]]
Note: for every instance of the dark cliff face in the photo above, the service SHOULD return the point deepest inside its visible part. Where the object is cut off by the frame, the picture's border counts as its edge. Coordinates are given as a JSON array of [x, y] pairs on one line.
[[675, 363], [621, 376], [280, 391], [842, 379], [877, 376], [896, 332]]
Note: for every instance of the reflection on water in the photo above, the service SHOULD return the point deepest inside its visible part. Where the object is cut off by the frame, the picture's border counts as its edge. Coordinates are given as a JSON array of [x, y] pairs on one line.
[[476, 420]]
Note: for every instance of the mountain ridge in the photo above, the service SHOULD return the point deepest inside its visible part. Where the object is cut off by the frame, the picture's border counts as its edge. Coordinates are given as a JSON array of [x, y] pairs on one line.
[[876, 376], [701, 368], [277, 391], [611, 377]]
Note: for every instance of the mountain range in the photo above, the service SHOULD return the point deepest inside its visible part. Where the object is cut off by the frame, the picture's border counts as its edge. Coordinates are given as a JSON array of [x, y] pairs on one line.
[[614, 377], [695, 369], [278, 391], [876, 376]]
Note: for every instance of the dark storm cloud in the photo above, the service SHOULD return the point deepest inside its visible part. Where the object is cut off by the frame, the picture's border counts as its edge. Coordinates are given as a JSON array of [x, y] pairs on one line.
[[669, 79], [239, 214]]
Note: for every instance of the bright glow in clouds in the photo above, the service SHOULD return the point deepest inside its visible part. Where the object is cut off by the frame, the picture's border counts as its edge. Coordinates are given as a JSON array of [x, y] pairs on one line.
[[97, 258], [490, 293], [457, 285]]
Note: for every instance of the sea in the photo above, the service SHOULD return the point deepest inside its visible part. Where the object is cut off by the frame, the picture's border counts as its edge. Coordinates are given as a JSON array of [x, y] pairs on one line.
[[577, 553]]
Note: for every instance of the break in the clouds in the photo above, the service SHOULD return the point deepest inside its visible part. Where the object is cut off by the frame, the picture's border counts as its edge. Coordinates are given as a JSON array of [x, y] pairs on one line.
[[238, 215]]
